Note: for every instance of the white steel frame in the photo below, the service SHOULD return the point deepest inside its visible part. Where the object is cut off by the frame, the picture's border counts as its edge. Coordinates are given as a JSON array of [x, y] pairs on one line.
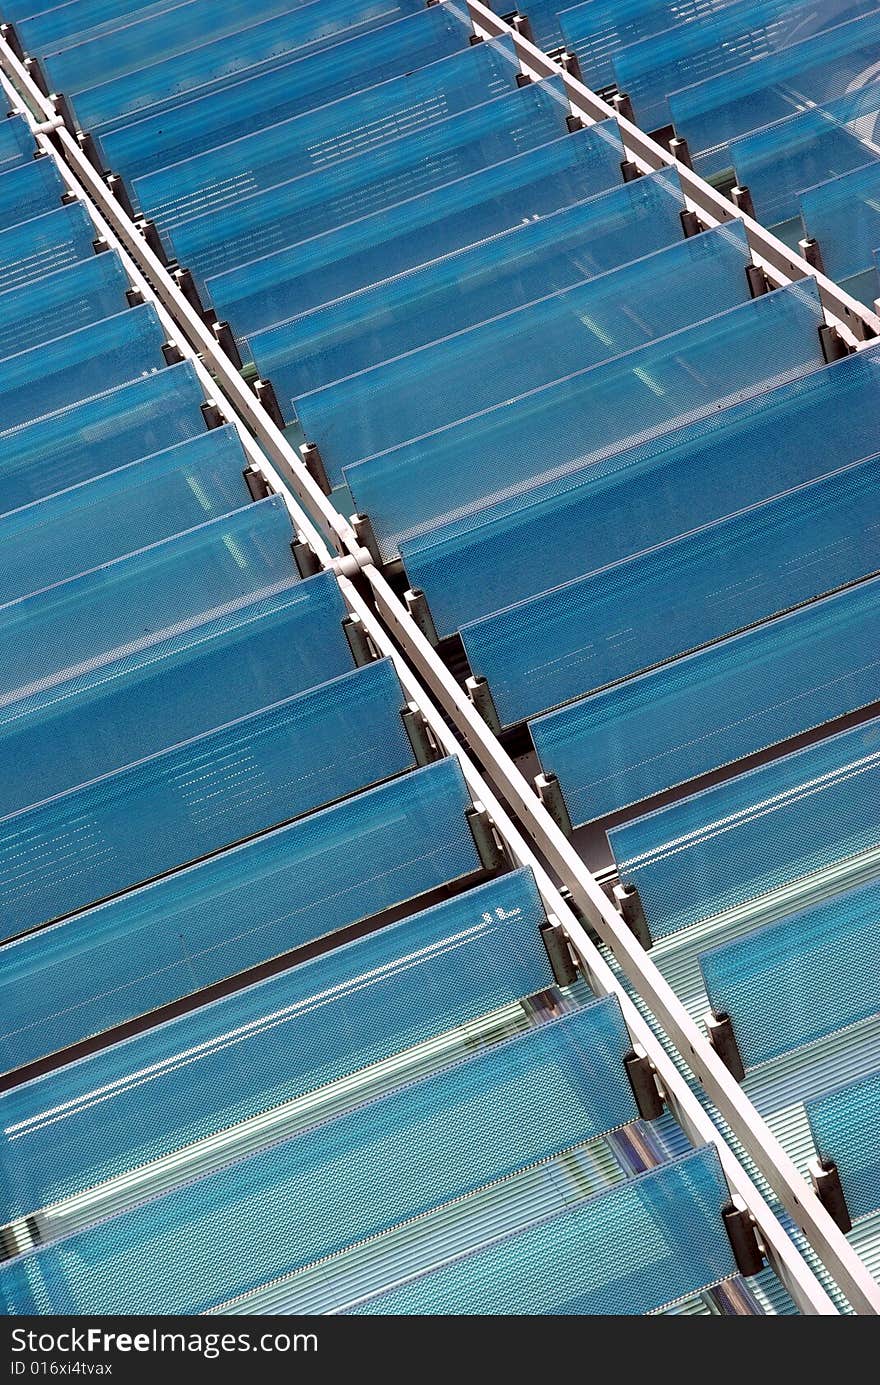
[[396, 636]]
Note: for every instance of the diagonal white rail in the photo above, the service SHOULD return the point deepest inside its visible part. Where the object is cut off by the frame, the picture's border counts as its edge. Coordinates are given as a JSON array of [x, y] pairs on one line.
[[396, 635]]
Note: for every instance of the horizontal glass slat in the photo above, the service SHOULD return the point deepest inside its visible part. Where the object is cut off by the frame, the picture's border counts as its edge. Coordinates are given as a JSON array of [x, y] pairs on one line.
[[447, 295], [778, 162], [60, 303], [319, 139], [260, 648], [175, 32], [45, 244], [740, 33], [589, 415], [650, 491], [844, 216], [235, 910], [219, 62], [77, 21], [82, 363], [272, 1042], [29, 190], [761, 830], [799, 979], [711, 708], [278, 763], [599, 29], [520, 350], [99, 435], [413, 1149], [419, 229], [844, 1126], [319, 201], [813, 72], [288, 89], [647, 1242], [669, 600], [127, 509], [129, 605], [16, 143]]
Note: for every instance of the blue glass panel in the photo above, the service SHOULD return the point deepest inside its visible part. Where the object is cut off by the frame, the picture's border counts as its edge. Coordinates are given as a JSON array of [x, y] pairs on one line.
[[379, 245], [446, 295], [517, 351], [714, 707], [234, 910], [265, 769], [845, 1126], [416, 1148], [801, 978], [819, 69], [216, 64], [28, 190], [16, 142], [755, 833], [742, 33], [319, 201], [73, 629], [83, 363], [844, 216], [179, 31], [44, 244], [89, 439], [115, 514], [286, 90], [60, 303], [563, 428], [778, 162], [645, 1243], [668, 600], [648, 492], [262, 647], [317, 140], [75, 20], [273, 1041], [598, 29]]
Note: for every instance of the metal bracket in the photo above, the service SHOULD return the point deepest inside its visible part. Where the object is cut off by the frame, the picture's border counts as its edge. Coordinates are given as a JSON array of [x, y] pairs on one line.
[[489, 848], [757, 281], [172, 353], [186, 283], [555, 940], [362, 648], [477, 690], [690, 223], [363, 531], [834, 348], [829, 1190], [256, 483], [265, 392], [417, 605], [740, 1228], [642, 1079], [211, 414], [226, 341], [9, 34], [623, 106], [120, 192], [629, 902], [305, 557], [154, 241], [421, 738], [678, 148], [550, 794], [314, 465], [719, 1028], [811, 251], [741, 197]]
